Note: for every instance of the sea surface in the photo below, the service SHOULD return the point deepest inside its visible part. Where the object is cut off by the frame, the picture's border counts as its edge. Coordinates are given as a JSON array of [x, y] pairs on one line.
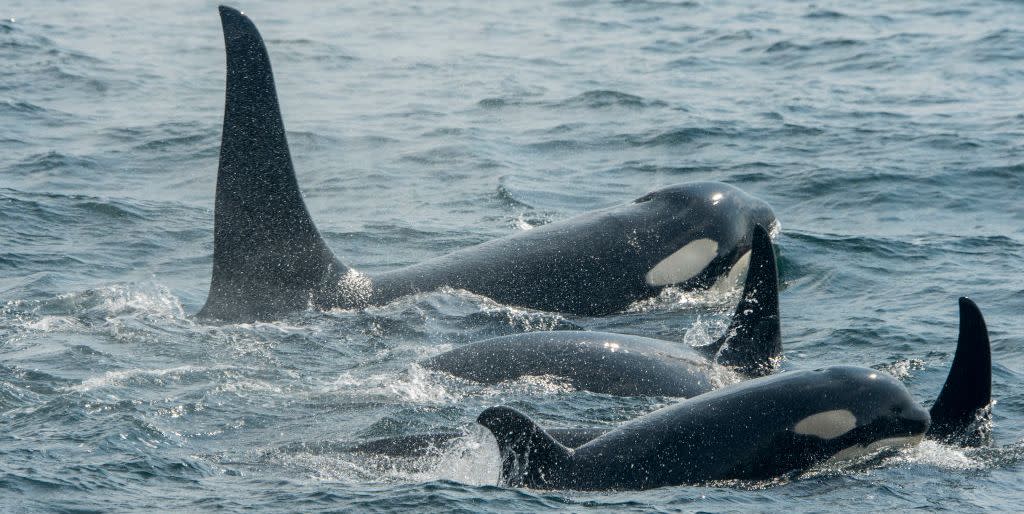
[[888, 137]]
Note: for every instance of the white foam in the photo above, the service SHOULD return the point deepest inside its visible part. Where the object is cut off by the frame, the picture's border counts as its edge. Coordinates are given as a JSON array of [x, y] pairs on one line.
[[520, 223], [902, 369], [53, 324], [473, 459], [118, 378], [858, 452], [416, 385], [153, 299], [934, 453]]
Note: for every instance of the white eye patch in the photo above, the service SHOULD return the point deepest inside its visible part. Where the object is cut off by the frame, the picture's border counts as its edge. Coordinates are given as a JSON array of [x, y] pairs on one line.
[[684, 264], [737, 275], [827, 425]]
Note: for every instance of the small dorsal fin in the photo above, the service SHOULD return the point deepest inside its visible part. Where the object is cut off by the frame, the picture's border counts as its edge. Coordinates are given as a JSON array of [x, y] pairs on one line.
[[961, 413], [529, 455], [753, 341], [268, 257]]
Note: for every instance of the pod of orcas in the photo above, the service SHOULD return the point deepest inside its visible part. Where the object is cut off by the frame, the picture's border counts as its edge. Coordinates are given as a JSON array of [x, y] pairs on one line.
[[629, 365], [759, 429], [269, 259]]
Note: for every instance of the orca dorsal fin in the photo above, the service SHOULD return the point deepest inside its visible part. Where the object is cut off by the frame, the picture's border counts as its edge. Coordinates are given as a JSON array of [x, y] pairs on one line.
[[530, 457], [268, 257], [961, 413], [753, 341]]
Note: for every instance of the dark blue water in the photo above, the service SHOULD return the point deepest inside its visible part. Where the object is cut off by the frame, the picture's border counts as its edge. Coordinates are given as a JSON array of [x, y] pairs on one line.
[[888, 136]]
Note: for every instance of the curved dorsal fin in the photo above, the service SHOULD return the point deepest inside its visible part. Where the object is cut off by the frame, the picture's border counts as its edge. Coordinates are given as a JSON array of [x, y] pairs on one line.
[[268, 257], [529, 455], [960, 414], [753, 341]]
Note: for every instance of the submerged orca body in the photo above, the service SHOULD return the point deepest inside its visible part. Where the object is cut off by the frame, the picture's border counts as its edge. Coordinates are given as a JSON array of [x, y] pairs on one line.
[[758, 429], [419, 445], [269, 259], [628, 365], [754, 430]]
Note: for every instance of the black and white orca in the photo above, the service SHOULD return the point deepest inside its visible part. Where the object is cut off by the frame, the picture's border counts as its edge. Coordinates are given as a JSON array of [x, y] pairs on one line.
[[763, 428], [269, 258], [628, 365], [759, 429]]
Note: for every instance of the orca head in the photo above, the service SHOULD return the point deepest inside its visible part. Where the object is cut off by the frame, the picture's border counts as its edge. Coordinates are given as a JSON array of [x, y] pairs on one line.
[[858, 411], [704, 223], [713, 197]]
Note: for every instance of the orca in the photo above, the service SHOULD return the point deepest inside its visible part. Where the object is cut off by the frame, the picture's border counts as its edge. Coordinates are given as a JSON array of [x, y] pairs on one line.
[[755, 430], [269, 259], [628, 365], [961, 415]]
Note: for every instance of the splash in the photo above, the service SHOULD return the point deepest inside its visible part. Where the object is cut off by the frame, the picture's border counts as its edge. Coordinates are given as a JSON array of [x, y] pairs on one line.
[[149, 298], [416, 385], [124, 377], [53, 324], [520, 223], [936, 454], [674, 298], [471, 459], [76, 311], [902, 369], [523, 319]]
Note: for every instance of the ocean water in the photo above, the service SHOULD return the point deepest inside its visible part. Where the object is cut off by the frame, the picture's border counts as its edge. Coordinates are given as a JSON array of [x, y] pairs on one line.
[[888, 137]]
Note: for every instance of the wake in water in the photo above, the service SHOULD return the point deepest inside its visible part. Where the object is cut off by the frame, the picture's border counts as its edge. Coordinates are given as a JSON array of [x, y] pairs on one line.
[[885, 134]]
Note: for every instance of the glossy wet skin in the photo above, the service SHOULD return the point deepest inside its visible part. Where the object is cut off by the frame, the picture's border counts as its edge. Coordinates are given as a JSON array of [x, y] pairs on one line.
[[713, 221], [614, 364], [758, 429], [595, 263], [269, 258]]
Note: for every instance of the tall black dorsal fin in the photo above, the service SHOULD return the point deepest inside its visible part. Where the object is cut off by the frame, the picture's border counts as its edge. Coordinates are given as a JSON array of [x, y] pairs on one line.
[[961, 413], [529, 455], [268, 257], [753, 341]]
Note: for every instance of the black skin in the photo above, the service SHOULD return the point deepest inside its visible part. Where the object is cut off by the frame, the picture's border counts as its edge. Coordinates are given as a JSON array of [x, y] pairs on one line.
[[599, 362], [745, 431], [270, 260], [628, 365], [961, 415]]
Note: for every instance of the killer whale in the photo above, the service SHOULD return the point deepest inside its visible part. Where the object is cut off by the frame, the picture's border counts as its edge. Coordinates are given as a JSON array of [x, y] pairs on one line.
[[754, 430], [759, 429], [961, 415], [269, 259], [628, 365]]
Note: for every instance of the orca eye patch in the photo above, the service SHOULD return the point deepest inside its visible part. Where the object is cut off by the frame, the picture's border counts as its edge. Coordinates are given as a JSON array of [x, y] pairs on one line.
[[827, 425], [684, 264]]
